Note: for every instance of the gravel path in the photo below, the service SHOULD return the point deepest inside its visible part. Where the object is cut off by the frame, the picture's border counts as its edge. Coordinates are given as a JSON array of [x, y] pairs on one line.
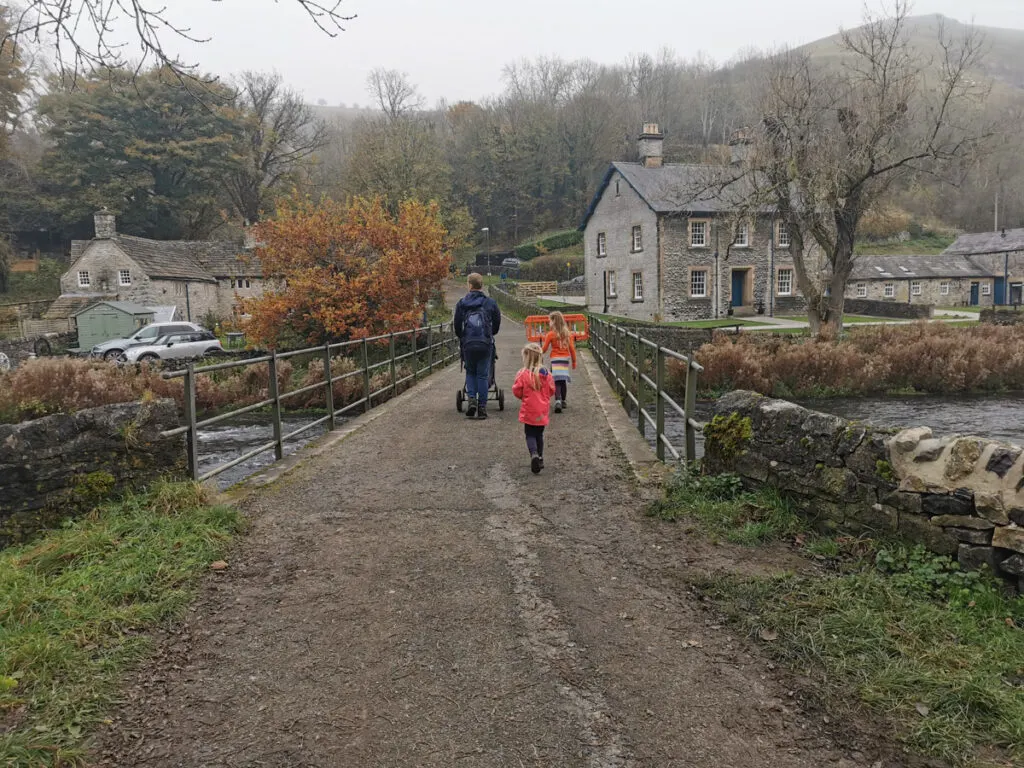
[[416, 597]]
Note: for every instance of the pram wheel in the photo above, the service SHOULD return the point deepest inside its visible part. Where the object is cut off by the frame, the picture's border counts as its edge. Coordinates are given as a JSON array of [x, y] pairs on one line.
[[458, 401], [501, 400]]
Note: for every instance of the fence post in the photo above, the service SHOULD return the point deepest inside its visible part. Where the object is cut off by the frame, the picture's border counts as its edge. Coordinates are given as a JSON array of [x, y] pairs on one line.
[[329, 395], [690, 406], [394, 375], [660, 418], [430, 349], [276, 406], [641, 422], [618, 358], [366, 377], [191, 437]]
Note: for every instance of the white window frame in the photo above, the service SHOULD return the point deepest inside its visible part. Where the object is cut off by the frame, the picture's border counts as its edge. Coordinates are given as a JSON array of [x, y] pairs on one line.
[[782, 234], [889, 290], [986, 289], [612, 290], [124, 277], [704, 284], [944, 288], [602, 245], [637, 238], [705, 233], [778, 281], [638, 286], [862, 290], [742, 235], [915, 288], [84, 281]]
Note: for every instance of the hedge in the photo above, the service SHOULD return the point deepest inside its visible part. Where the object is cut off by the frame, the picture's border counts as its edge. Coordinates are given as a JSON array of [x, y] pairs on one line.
[[553, 243]]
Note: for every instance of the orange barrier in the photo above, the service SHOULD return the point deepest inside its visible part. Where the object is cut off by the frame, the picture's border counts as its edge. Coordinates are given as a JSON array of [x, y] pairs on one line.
[[537, 327]]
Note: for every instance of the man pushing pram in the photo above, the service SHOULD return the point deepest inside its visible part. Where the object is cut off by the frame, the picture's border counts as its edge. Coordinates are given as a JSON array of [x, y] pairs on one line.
[[477, 320]]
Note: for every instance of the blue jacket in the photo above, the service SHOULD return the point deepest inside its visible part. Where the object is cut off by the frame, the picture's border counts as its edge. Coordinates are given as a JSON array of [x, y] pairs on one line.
[[472, 300]]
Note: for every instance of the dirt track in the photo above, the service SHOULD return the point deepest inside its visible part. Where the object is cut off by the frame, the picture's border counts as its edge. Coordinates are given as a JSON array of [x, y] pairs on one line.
[[416, 597]]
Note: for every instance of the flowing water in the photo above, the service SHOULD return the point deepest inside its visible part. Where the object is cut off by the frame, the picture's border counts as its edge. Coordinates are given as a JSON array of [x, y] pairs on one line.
[[994, 416], [223, 442]]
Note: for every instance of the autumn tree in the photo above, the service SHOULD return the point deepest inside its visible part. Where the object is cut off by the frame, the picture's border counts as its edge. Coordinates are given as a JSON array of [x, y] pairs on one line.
[[142, 146], [280, 138], [835, 136], [338, 271]]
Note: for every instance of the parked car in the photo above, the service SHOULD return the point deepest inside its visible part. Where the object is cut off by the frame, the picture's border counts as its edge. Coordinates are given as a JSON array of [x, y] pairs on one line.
[[147, 334], [177, 346], [511, 261]]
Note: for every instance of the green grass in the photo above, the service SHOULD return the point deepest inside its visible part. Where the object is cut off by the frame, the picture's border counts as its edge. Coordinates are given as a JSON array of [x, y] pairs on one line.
[[549, 304], [936, 652], [725, 322], [75, 603], [923, 245]]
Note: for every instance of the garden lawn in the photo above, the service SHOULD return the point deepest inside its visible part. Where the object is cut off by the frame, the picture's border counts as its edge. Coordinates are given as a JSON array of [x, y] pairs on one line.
[[75, 605]]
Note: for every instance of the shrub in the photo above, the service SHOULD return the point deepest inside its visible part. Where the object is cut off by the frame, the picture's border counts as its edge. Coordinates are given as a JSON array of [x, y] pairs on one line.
[[529, 251], [932, 358], [551, 267]]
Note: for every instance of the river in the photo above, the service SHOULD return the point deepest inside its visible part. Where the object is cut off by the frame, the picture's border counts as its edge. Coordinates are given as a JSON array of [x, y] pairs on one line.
[[994, 416], [223, 442]]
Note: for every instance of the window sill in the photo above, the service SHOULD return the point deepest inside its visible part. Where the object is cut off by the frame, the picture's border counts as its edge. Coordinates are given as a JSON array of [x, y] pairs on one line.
[[693, 247], [741, 247], [635, 300], [639, 250], [783, 247], [783, 295], [698, 295]]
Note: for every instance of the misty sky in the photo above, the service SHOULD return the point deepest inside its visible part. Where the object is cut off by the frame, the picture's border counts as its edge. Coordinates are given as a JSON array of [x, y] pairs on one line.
[[456, 49]]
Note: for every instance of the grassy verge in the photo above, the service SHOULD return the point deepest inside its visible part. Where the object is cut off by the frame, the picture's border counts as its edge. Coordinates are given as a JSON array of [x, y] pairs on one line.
[[74, 606], [725, 322], [936, 652]]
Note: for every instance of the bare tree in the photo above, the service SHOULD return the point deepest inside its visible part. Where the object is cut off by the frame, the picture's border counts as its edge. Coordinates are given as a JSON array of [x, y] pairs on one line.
[[85, 33], [394, 93], [834, 138], [282, 135]]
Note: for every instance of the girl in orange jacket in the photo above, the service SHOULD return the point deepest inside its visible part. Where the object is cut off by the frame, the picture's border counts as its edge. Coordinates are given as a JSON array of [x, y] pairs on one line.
[[563, 352]]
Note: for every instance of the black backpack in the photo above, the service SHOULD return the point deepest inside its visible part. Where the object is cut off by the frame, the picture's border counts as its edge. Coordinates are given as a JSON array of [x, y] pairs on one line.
[[476, 329]]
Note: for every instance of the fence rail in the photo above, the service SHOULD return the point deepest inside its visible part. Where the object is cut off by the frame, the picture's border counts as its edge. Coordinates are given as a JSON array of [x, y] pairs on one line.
[[636, 369], [440, 347]]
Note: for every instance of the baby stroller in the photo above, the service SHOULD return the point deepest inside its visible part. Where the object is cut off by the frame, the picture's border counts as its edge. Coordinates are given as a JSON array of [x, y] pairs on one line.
[[494, 392]]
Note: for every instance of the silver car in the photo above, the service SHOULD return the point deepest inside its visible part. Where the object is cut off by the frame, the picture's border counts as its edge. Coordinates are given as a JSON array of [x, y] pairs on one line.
[[147, 334], [178, 346]]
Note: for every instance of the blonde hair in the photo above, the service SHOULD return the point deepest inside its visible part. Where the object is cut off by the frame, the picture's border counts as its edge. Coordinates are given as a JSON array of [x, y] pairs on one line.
[[532, 359], [475, 280], [560, 327]]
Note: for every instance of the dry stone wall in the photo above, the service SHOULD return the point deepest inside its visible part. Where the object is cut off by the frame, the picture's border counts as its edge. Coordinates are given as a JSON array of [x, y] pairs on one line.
[[62, 465], [957, 495]]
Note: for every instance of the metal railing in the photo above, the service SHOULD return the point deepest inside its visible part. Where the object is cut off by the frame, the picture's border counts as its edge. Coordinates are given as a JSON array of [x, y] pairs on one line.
[[440, 348], [629, 361]]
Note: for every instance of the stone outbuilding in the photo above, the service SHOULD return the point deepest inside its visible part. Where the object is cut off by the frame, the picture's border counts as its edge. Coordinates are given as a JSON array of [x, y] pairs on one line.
[[1002, 253], [942, 280], [200, 278], [662, 243]]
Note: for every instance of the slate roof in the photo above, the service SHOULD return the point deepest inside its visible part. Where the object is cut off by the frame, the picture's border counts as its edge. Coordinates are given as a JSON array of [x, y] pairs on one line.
[[920, 267], [988, 242], [71, 304], [675, 188], [199, 260]]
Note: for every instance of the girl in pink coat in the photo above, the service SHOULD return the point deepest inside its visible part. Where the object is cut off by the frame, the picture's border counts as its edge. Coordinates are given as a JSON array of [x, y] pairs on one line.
[[535, 387]]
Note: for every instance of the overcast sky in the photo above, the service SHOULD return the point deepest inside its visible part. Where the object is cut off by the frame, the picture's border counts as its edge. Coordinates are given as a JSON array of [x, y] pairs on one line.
[[456, 49]]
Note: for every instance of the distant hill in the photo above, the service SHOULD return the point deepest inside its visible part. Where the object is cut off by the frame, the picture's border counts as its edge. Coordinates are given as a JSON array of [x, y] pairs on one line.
[[1002, 60]]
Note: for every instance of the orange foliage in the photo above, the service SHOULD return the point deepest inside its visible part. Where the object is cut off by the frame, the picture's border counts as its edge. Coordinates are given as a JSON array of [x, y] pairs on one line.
[[339, 271]]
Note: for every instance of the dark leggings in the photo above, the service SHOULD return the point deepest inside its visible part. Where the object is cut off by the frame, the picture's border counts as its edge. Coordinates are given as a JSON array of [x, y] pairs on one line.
[[535, 439], [561, 390]]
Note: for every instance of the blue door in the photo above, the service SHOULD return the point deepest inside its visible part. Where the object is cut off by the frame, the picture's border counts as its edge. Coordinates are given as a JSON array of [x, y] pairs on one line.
[[999, 291], [738, 279], [974, 294]]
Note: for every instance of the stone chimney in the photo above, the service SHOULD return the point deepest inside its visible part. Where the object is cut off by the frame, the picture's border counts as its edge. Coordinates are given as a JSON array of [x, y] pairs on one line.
[[106, 224], [739, 146], [649, 145], [249, 237]]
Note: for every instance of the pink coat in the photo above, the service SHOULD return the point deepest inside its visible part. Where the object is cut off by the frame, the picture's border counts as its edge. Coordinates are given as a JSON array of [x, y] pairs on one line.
[[536, 402]]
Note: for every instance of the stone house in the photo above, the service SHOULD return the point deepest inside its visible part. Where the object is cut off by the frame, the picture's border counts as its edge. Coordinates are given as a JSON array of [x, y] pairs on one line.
[[1002, 253], [200, 278], [656, 248], [943, 280]]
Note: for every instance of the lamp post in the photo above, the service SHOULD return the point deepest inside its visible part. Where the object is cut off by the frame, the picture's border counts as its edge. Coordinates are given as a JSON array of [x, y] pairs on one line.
[[487, 246]]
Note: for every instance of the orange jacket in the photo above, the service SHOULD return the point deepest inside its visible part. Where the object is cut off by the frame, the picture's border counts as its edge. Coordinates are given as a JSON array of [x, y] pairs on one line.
[[552, 342]]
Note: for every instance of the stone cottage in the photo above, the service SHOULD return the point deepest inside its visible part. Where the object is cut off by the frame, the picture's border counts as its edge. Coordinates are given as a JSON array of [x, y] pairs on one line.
[[943, 280], [200, 278], [1002, 253], [657, 248]]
